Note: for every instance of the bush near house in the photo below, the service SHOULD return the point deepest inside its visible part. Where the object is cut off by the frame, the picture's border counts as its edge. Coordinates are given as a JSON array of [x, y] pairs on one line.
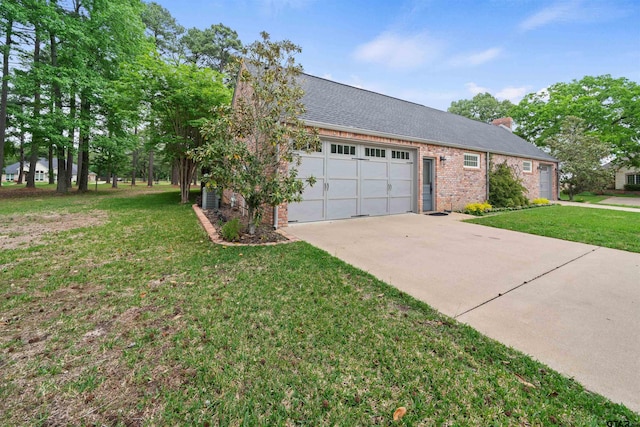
[[632, 187], [505, 189], [477, 209], [540, 201]]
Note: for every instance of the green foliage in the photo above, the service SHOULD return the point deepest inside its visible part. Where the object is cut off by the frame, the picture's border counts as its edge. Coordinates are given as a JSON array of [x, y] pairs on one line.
[[477, 209], [581, 156], [251, 147], [608, 106], [213, 47], [632, 187], [484, 107], [230, 230], [505, 188], [540, 201]]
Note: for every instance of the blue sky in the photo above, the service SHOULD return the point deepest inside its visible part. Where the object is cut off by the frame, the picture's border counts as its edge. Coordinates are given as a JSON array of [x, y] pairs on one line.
[[434, 52]]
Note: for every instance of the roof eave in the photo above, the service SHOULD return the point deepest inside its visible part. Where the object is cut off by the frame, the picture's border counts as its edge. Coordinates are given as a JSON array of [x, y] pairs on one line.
[[328, 126]]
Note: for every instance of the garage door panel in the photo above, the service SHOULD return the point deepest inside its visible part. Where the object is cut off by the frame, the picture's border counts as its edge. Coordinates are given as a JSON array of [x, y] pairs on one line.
[[306, 211], [373, 169], [341, 208], [375, 206], [400, 170], [342, 168], [343, 188], [400, 188], [314, 192], [400, 205], [374, 188], [311, 166]]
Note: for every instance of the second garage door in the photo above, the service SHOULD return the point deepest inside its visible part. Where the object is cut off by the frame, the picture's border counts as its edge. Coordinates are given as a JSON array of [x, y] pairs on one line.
[[355, 180]]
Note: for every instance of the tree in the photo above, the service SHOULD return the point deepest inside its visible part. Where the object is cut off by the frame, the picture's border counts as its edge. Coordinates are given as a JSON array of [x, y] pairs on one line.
[[213, 47], [251, 147], [163, 29], [182, 98], [609, 107], [581, 156], [483, 107]]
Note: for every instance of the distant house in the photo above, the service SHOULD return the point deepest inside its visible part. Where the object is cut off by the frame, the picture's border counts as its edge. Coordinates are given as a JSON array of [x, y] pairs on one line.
[[625, 175], [382, 155], [42, 171]]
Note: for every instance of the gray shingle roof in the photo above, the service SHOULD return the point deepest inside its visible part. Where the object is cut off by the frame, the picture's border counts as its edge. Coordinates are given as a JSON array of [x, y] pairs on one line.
[[338, 104], [15, 167]]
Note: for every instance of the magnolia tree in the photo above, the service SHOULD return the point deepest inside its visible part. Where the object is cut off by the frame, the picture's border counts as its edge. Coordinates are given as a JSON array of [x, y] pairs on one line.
[[581, 156], [250, 148]]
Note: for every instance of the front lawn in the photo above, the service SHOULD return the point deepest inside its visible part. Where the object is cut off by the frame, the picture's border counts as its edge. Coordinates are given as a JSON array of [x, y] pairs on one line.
[[140, 320], [601, 227]]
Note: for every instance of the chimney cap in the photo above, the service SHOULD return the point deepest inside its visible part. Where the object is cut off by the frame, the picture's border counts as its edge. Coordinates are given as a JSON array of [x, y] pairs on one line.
[[505, 122]]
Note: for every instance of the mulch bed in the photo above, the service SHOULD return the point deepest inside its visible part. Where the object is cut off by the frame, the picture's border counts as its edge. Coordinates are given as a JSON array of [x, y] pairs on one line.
[[264, 233]]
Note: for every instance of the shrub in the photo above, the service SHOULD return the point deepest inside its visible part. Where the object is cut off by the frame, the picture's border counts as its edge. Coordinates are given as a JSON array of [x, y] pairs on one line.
[[540, 201], [505, 189], [477, 208], [632, 187], [231, 230]]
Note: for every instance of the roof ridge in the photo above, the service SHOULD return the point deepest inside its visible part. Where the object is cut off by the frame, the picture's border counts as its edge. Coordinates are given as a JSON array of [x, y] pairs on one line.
[[374, 92]]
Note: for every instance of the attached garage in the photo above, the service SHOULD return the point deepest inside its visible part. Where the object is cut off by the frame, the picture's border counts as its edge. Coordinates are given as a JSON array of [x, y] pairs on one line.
[[355, 180]]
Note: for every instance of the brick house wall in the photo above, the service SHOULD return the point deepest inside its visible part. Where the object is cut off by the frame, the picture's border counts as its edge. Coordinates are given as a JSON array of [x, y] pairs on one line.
[[455, 184]]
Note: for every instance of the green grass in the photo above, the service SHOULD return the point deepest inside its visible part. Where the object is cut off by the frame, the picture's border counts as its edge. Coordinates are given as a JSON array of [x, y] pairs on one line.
[[588, 197], [141, 320], [601, 227]]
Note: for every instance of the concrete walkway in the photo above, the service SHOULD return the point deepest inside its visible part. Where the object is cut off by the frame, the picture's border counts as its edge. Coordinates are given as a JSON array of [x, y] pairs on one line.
[[574, 307], [611, 200]]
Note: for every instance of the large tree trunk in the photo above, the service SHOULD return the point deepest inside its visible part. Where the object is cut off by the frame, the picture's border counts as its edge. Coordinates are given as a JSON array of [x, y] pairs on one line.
[[5, 90], [52, 178], [175, 172], [21, 171], [115, 181], [36, 133], [72, 134], [83, 149], [134, 165], [150, 170], [61, 186], [186, 168]]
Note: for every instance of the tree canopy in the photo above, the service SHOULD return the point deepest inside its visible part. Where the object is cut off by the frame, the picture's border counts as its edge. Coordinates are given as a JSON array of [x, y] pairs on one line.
[[609, 107], [581, 157], [483, 107]]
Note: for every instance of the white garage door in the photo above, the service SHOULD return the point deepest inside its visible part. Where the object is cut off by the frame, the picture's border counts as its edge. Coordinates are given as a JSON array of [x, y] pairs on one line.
[[355, 180]]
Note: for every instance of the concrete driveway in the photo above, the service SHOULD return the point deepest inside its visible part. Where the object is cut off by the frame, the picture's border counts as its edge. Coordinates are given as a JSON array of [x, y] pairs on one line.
[[574, 307]]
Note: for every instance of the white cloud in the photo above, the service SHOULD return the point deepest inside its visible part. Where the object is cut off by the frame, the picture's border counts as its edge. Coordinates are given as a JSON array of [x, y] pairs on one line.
[[513, 94], [558, 12], [398, 51], [477, 58], [475, 89]]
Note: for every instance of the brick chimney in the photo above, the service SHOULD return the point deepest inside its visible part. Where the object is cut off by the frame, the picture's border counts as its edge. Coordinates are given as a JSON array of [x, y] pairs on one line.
[[506, 122]]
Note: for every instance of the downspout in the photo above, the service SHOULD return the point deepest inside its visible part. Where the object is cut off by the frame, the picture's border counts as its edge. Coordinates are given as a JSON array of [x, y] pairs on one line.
[[487, 174], [275, 217]]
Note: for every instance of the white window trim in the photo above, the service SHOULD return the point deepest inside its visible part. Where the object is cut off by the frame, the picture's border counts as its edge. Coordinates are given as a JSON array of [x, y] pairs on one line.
[[477, 156], [524, 169]]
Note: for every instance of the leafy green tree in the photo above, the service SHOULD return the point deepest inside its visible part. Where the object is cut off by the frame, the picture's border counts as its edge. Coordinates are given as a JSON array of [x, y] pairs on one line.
[[505, 188], [163, 29], [213, 47], [483, 107], [581, 157], [251, 147], [609, 107], [182, 99]]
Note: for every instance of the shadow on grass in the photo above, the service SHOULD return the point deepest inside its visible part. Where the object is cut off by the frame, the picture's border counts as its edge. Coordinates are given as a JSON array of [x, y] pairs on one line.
[[150, 201]]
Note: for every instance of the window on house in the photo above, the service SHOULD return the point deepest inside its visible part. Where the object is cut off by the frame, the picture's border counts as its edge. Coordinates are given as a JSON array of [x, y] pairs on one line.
[[472, 161], [375, 152], [402, 155], [39, 176], [9, 177], [633, 179], [527, 166], [349, 150]]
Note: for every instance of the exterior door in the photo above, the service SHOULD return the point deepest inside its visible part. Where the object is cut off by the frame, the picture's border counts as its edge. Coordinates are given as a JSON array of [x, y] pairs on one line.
[[545, 182], [427, 185]]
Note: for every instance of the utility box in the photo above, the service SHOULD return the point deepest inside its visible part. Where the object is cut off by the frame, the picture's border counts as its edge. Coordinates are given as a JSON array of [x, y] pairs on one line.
[[210, 199]]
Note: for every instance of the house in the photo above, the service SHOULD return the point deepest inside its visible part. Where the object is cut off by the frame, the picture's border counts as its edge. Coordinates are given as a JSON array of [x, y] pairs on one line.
[[382, 155], [42, 171], [626, 175]]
